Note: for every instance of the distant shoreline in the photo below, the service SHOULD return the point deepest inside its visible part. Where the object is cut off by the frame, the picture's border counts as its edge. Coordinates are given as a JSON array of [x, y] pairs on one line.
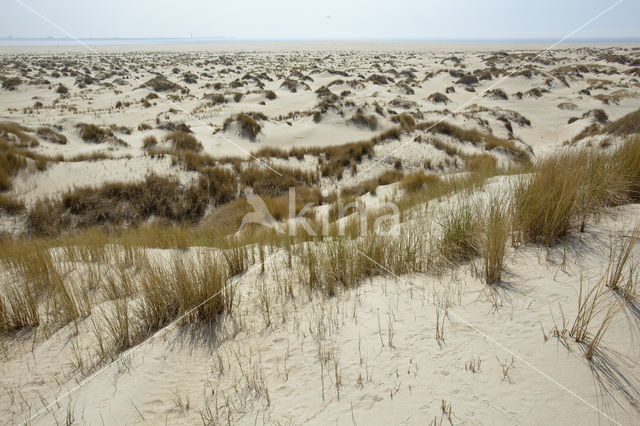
[[100, 41], [8, 46]]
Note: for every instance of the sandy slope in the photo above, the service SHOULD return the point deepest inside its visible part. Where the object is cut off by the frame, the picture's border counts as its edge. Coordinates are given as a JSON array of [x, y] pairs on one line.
[[425, 69], [369, 355], [379, 339]]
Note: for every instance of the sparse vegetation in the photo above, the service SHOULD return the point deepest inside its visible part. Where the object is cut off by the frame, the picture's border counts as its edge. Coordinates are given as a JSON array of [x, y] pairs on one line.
[[51, 135], [11, 83], [497, 94], [161, 84], [269, 182], [93, 133], [363, 120], [496, 237], [439, 98], [248, 124], [570, 186], [149, 142], [429, 216], [182, 141], [461, 232], [118, 204]]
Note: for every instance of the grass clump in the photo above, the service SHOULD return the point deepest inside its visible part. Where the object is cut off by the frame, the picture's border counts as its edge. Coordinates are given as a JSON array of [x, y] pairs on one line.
[[161, 84], [415, 182], [93, 133], [11, 205], [439, 98], [11, 83], [387, 177], [10, 163], [468, 80], [497, 232], [497, 94], [276, 180], [332, 159], [624, 126], [508, 146], [248, 124], [627, 125], [13, 159], [192, 161], [567, 189], [120, 204], [481, 163], [362, 120], [545, 203], [51, 135], [62, 89], [149, 142], [191, 290], [460, 232], [221, 184], [18, 135], [470, 135], [182, 141], [406, 121], [215, 98]]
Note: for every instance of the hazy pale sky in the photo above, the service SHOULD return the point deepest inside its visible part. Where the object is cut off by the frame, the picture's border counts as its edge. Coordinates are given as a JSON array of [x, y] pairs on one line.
[[322, 19]]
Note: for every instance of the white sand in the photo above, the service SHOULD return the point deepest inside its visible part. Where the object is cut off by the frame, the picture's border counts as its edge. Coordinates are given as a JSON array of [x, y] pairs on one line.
[[380, 337]]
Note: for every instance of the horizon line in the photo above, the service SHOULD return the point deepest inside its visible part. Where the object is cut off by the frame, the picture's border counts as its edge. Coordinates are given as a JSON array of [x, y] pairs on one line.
[[191, 39]]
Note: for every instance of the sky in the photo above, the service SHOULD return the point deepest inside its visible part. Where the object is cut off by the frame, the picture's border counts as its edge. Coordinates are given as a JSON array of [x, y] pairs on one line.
[[321, 19]]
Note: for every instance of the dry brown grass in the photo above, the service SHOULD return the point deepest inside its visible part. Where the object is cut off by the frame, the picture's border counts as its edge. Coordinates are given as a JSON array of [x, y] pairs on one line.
[[619, 260], [363, 120], [13, 159], [481, 163], [221, 183], [387, 177], [92, 133], [265, 181], [406, 121], [10, 163], [191, 290], [120, 204], [11, 205], [415, 182], [11, 83], [546, 202], [248, 124], [161, 84], [18, 134], [593, 305], [149, 142], [474, 136], [191, 160], [345, 263], [627, 125], [183, 141], [51, 135], [38, 290], [571, 187], [333, 160], [507, 146]]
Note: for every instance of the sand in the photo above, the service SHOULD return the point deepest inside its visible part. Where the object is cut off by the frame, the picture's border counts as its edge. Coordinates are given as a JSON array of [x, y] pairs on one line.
[[383, 363]]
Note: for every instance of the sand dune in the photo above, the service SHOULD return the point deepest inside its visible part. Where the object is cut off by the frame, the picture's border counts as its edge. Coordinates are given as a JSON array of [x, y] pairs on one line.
[[126, 175]]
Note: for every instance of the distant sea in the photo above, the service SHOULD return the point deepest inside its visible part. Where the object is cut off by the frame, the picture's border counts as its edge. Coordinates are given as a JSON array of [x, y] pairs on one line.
[[51, 41]]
